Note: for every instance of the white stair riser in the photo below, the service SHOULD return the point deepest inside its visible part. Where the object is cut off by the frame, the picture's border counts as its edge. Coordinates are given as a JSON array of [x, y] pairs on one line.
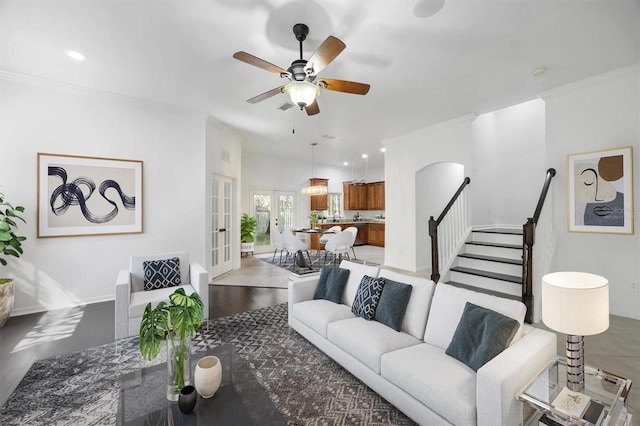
[[486, 265], [493, 251], [497, 238], [487, 283]]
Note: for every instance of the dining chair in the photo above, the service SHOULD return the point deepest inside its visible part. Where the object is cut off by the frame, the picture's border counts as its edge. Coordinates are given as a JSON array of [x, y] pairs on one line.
[[338, 246], [293, 244], [278, 243], [354, 231], [326, 236]]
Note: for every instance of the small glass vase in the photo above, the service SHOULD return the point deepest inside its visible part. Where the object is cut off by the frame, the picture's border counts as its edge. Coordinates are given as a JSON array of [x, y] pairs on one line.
[[178, 366]]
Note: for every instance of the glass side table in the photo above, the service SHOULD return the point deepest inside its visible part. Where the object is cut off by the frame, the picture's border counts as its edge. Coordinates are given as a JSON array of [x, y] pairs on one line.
[[606, 392]]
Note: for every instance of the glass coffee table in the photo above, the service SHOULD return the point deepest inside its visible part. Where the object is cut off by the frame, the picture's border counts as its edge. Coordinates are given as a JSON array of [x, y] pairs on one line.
[[604, 398], [241, 400]]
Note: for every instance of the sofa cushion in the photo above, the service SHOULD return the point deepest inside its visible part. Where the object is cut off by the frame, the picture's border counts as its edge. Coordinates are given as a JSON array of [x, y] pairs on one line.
[[137, 269], [367, 297], [480, 336], [393, 304], [415, 317], [357, 272], [367, 340], [437, 380], [317, 314], [331, 284], [139, 299], [448, 305], [161, 273]]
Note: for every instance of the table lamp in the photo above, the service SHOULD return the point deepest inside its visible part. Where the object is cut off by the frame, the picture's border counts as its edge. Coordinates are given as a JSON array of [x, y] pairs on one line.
[[577, 304]]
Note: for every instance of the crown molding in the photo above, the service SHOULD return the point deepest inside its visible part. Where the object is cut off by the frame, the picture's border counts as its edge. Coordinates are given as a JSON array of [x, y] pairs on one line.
[[590, 81]]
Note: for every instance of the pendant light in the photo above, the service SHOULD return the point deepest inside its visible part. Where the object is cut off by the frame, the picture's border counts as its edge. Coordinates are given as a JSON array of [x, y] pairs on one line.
[[313, 190]]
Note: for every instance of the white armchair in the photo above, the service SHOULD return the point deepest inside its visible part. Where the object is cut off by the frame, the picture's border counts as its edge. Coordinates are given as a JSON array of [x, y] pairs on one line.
[[131, 297]]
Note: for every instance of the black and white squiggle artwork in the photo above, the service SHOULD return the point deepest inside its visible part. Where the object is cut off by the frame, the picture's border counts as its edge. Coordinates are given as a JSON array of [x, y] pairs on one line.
[[88, 196], [79, 191]]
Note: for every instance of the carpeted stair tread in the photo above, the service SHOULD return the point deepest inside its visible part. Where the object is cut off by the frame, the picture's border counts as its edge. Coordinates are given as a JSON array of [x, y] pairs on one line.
[[487, 274], [491, 258], [485, 291]]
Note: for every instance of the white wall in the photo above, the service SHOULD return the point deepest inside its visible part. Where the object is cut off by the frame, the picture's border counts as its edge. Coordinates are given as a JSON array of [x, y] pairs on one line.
[[597, 114], [434, 198], [404, 157], [42, 117], [508, 164]]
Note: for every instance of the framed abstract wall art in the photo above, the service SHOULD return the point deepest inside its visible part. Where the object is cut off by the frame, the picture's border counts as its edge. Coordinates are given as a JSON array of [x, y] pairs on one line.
[[600, 191], [88, 196]]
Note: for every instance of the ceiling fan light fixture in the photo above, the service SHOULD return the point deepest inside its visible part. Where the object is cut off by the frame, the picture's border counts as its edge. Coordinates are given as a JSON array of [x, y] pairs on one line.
[[302, 93]]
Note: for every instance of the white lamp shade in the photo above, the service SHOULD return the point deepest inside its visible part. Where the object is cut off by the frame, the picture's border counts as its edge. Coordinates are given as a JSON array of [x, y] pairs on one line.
[[575, 303], [302, 93]]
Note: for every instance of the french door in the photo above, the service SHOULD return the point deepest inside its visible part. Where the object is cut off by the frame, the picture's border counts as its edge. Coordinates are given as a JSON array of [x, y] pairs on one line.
[[275, 211], [221, 225]]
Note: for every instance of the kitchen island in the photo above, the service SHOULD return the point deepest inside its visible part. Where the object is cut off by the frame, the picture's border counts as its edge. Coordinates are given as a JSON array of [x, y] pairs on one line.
[[369, 232]]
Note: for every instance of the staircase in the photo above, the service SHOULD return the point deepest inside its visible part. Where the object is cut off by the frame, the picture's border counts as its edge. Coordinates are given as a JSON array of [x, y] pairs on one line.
[[490, 262]]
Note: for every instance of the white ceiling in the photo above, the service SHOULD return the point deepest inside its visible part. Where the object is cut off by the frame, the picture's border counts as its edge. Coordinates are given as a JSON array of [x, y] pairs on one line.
[[474, 56]]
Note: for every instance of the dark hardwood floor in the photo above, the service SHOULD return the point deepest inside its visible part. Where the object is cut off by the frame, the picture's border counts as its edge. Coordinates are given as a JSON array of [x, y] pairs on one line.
[[228, 300]]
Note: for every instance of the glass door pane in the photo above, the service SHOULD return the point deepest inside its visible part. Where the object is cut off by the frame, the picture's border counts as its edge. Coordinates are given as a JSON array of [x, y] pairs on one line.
[[285, 211], [262, 210]]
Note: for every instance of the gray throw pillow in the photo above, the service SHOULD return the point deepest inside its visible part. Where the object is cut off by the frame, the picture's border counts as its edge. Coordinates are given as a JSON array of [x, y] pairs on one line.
[[393, 304], [480, 336], [331, 283]]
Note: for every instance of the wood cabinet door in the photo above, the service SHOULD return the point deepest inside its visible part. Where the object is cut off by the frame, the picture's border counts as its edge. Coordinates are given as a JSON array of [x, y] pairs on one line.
[[319, 202]]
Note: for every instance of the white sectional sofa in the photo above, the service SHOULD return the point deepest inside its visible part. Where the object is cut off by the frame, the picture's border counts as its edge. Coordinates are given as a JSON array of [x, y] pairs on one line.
[[409, 368]]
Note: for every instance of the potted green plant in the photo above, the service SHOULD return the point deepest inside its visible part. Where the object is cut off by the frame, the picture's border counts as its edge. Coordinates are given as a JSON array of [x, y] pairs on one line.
[[10, 245], [176, 322], [313, 217], [248, 228]]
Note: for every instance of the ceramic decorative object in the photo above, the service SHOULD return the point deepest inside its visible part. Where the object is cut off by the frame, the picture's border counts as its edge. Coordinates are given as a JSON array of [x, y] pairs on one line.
[[6, 300], [187, 399], [178, 366], [208, 376]]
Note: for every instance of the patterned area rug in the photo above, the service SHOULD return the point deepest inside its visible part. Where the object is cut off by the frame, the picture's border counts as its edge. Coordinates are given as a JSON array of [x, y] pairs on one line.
[[306, 386]]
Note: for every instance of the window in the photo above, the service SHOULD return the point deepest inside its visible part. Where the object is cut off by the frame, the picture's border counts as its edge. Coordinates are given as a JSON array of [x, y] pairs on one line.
[[335, 201]]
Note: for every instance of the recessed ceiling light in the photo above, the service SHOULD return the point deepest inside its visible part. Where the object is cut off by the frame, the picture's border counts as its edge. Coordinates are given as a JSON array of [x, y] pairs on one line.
[[75, 55], [346, 163], [426, 8], [365, 156], [383, 149], [539, 72]]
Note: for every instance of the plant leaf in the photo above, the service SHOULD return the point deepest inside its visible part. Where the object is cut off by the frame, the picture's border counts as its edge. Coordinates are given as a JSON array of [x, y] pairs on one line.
[[153, 327]]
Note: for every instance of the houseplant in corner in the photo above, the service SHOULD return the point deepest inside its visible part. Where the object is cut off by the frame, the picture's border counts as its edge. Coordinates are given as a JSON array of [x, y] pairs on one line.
[[248, 227], [176, 322], [10, 245]]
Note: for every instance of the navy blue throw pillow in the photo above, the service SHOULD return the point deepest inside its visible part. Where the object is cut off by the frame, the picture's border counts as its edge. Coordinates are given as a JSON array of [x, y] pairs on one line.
[[367, 297], [161, 273], [480, 336], [331, 283], [393, 304]]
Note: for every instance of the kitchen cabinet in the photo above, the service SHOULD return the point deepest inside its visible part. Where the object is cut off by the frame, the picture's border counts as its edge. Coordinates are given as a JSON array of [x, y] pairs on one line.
[[355, 196], [319, 202], [375, 196], [363, 196], [375, 234]]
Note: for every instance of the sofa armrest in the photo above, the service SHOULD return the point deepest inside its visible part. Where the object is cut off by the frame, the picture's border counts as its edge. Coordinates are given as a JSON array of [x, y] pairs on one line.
[[301, 289], [199, 279], [123, 298], [499, 380]]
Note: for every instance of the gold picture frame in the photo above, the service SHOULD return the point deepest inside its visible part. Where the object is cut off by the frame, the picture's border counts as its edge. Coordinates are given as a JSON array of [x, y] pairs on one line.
[[80, 196], [600, 191]]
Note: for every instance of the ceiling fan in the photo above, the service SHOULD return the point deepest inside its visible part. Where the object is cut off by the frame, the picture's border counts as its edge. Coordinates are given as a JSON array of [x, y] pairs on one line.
[[304, 86]]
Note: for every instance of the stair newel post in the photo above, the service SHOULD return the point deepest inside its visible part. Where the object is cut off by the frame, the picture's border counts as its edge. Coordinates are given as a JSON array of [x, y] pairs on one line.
[[433, 233], [529, 231]]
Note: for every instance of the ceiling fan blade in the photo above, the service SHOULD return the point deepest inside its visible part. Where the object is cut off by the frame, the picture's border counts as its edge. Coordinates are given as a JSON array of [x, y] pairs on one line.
[[266, 95], [260, 63], [327, 52], [344, 86], [313, 109]]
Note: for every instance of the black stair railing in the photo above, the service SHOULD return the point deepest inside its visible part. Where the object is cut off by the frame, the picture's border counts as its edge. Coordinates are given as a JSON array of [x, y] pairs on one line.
[[433, 231], [528, 233]]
